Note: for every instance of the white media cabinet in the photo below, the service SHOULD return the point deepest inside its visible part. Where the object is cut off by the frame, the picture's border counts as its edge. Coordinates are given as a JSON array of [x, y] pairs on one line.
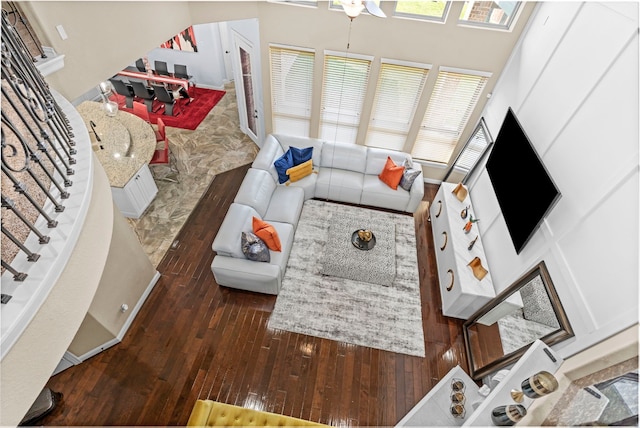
[[435, 408], [462, 293]]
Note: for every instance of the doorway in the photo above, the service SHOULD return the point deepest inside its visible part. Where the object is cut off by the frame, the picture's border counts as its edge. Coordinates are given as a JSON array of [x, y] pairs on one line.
[[247, 87]]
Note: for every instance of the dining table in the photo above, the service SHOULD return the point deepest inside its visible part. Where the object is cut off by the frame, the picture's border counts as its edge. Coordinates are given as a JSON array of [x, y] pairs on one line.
[[185, 83]]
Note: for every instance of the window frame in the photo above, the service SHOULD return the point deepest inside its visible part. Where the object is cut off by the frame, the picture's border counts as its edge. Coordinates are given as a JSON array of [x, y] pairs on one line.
[[480, 127], [278, 98], [432, 115], [427, 18], [488, 26], [386, 63], [344, 125], [305, 3]]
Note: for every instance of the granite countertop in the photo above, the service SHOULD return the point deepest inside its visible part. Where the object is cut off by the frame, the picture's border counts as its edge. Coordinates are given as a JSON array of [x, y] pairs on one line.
[[126, 141]]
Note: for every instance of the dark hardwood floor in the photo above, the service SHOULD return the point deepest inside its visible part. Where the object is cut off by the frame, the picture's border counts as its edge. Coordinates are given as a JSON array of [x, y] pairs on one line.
[[194, 339]]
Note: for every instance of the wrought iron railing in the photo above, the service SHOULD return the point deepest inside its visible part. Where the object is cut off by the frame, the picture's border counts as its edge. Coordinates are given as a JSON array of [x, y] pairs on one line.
[[37, 151], [43, 210]]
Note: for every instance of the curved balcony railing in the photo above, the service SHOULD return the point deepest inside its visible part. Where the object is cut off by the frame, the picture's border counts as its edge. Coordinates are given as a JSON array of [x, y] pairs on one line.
[[46, 186]]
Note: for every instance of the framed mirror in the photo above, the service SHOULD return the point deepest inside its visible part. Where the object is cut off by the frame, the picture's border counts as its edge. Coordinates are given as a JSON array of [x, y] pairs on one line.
[[502, 330]]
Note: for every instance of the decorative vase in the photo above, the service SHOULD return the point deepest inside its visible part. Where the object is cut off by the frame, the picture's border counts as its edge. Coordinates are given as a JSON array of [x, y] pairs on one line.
[[364, 235], [460, 191], [476, 267], [464, 212]]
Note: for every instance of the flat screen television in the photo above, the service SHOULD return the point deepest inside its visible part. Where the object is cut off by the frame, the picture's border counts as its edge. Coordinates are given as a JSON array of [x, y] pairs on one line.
[[525, 191]]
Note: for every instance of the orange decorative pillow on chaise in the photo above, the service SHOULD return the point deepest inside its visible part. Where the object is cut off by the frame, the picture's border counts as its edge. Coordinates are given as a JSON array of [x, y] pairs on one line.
[[267, 233], [391, 174]]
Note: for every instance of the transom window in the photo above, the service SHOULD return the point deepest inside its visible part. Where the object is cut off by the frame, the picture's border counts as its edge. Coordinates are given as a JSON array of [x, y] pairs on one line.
[[337, 5], [491, 14], [429, 10]]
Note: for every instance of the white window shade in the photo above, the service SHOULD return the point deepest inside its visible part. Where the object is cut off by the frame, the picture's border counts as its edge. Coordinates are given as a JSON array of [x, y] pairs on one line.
[[397, 95], [343, 92], [452, 101], [291, 90], [476, 145]]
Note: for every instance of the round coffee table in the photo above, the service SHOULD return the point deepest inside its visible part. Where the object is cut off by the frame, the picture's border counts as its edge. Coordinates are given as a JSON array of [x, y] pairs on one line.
[[360, 244]]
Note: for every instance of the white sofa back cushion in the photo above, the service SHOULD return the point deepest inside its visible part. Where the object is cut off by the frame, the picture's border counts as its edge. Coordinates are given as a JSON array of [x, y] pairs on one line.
[[239, 219], [376, 159], [256, 190], [287, 141], [350, 157]]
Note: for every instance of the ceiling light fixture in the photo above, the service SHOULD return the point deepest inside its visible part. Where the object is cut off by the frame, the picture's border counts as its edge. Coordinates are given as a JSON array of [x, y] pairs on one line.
[[353, 8]]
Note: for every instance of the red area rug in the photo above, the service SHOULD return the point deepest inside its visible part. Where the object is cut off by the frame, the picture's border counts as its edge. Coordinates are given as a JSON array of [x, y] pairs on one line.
[[190, 114]]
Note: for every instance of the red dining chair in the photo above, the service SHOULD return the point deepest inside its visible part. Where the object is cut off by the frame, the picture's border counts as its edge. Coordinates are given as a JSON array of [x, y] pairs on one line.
[[160, 131], [141, 111], [163, 156]]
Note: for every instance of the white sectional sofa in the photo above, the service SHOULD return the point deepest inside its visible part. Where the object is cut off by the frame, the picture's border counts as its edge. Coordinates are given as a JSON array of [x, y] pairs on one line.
[[342, 172]]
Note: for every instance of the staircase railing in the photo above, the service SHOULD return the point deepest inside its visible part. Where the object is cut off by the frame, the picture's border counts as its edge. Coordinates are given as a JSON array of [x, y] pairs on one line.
[[41, 215]]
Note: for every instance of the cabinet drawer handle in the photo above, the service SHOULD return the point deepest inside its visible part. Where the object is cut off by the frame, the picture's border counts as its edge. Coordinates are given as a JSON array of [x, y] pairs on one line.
[[446, 238], [450, 286], [439, 209]]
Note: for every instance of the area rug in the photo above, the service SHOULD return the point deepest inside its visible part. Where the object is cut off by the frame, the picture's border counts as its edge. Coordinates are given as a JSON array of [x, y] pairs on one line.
[[191, 115], [360, 313]]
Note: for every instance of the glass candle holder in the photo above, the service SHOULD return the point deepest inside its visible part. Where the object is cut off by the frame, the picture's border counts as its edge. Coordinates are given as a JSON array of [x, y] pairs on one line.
[[457, 397], [508, 415], [540, 384], [457, 385], [458, 410]]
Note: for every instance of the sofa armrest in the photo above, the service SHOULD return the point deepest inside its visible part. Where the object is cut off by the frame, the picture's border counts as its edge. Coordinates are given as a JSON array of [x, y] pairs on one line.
[[246, 274], [270, 151], [416, 193]]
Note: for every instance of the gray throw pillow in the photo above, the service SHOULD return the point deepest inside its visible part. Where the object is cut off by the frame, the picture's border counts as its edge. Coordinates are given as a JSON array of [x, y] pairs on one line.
[[408, 177], [254, 248]]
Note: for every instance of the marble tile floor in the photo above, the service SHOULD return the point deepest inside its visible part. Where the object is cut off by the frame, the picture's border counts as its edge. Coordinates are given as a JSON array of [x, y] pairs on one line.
[[216, 146]]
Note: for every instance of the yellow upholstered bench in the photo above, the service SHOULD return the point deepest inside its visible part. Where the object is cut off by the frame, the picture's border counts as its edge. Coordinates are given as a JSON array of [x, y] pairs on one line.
[[208, 413]]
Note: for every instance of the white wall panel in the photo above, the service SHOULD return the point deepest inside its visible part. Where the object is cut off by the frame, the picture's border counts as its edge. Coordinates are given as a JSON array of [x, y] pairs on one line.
[[602, 255], [599, 143], [544, 31], [578, 66], [595, 38]]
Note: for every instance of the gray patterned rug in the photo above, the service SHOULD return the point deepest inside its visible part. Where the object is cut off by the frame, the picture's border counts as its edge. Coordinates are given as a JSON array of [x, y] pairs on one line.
[[345, 310]]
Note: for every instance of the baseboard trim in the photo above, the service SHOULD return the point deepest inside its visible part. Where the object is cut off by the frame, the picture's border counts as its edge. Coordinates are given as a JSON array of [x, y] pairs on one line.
[[138, 306]]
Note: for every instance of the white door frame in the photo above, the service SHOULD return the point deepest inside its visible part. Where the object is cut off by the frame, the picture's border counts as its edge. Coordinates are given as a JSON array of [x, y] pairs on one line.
[[240, 42]]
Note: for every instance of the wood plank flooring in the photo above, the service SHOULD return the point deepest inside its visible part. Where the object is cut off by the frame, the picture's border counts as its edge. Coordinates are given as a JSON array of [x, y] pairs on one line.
[[194, 339]]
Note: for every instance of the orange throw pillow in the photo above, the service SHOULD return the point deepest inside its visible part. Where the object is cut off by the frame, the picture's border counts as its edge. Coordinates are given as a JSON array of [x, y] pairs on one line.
[[391, 174], [267, 233]]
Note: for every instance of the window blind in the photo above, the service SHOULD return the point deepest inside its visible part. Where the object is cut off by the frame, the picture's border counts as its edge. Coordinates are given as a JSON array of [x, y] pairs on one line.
[[343, 91], [473, 150], [452, 101], [291, 90], [397, 94]]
